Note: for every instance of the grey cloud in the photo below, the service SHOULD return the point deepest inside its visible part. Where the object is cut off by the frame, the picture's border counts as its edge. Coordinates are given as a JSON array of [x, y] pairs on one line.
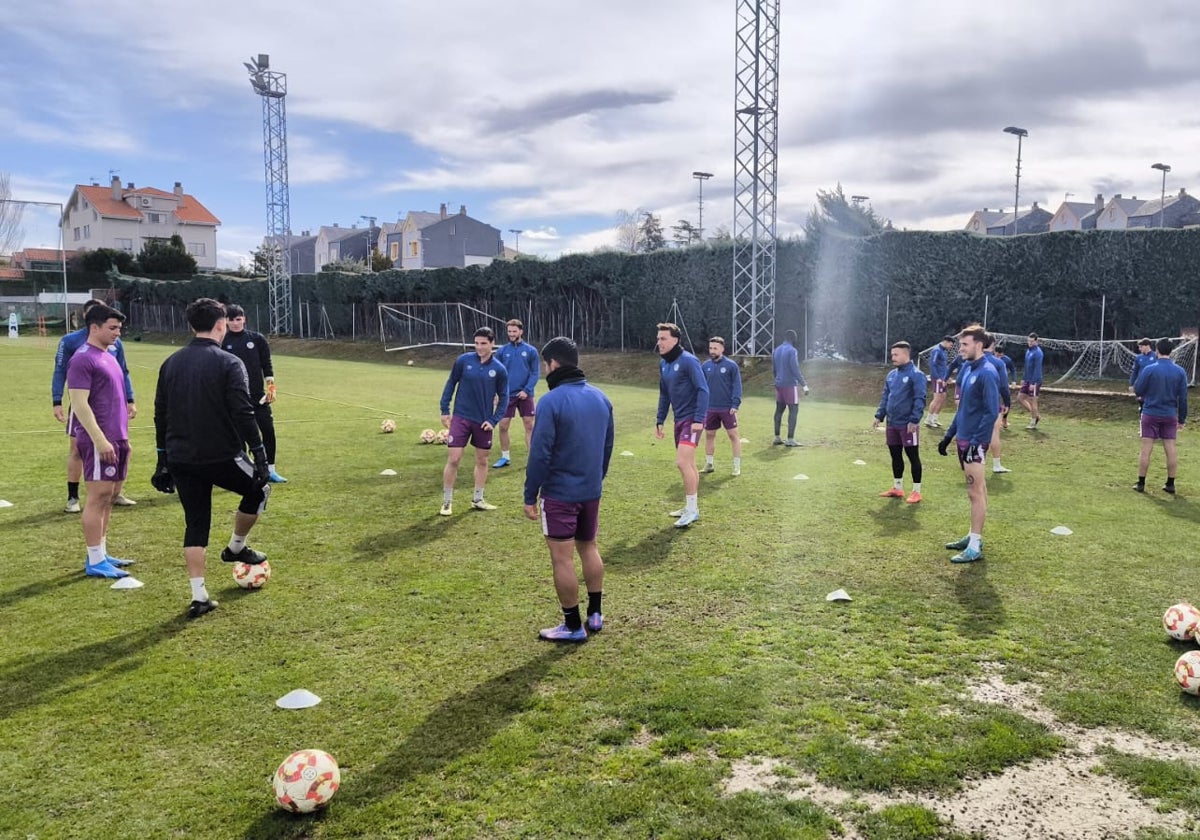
[[564, 105]]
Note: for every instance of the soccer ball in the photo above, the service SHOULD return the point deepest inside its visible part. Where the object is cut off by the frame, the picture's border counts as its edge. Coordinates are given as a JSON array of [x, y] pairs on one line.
[[250, 576], [428, 436], [443, 436], [410, 361], [306, 781], [387, 426], [1187, 672], [1181, 621]]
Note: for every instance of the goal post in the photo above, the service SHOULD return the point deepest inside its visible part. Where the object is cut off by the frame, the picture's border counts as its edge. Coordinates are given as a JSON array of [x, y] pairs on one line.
[[407, 326]]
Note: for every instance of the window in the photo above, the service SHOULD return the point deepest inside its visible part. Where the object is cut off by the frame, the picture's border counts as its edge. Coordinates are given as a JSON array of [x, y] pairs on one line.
[[394, 251], [154, 218], [412, 249], [87, 231], [76, 234], [95, 216], [196, 249], [124, 245]]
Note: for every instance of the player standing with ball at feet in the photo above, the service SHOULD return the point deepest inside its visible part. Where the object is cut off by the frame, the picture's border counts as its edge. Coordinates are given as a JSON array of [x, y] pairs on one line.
[[682, 388], [203, 423], [478, 382], [903, 403], [971, 431], [568, 460]]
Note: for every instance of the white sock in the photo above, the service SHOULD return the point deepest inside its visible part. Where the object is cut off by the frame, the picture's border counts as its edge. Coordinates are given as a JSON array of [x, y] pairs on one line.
[[447, 495], [503, 453], [236, 544], [916, 487], [199, 593], [708, 460], [271, 467], [933, 418], [975, 541], [95, 555], [104, 546], [897, 483], [691, 504], [737, 463], [477, 496]]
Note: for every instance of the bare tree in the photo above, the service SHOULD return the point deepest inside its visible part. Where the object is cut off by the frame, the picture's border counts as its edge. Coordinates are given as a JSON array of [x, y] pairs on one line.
[[11, 212], [630, 237]]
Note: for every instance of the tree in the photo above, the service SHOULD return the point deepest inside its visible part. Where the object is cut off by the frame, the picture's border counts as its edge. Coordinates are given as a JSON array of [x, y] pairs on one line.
[[652, 233], [166, 257], [379, 262], [11, 212], [686, 234], [629, 231], [262, 259], [833, 214], [102, 259], [721, 234]]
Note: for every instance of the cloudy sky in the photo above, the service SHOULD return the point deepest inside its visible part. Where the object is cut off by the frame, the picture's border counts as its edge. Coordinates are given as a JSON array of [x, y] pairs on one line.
[[551, 116]]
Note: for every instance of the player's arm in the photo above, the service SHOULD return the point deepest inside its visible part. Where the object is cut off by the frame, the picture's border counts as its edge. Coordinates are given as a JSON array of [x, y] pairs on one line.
[[1181, 400], [535, 370], [919, 386], [237, 402], [664, 402], [58, 380], [451, 384], [736, 402], [987, 419], [500, 403], [1143, 381], [881, 412], [537, 466], [87, 419], [129, 401], [702, 396], [264, 361], [161, 407], [609, 440]]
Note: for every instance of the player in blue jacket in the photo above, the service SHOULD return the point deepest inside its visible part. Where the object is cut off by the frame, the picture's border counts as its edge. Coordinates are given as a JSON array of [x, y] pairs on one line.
[[1031, 380], [520, 359], [996, 361], [789, 382], [903, 403], [568, 460], [1162, 385], [939, 373], [1144, 358], [682, 388], [724, 379], [479, 385], [971, 431], [68, 346]]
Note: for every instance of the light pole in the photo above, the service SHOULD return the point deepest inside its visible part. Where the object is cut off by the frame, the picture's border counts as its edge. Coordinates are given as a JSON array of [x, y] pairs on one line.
[[701, 177], [1162, 205], [517, 234], [1021, 134], [370, 220], [61, 249], [859, 199]]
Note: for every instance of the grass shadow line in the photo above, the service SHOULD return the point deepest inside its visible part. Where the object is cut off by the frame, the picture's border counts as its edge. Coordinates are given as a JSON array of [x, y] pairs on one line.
[[41, 587], [418, 533], [895, 514], [983, 610], [651, 550], [1176, 506]]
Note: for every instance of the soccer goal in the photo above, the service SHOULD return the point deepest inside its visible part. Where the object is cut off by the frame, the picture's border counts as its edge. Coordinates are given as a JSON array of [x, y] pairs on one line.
[[406, 326]]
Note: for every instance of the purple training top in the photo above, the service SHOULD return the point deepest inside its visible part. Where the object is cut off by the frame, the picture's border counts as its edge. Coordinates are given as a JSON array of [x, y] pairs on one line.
[[98, 372]]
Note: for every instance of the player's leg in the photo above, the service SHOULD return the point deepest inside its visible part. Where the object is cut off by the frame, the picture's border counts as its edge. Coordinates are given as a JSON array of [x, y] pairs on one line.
[[237, 476], [586, 528], [710, 449], [266, 428], [996, 446], [74, 476], [977, 495], [896, 450], [913, 451], [1144, 454], [528, 419], [1172, 463], [793, 410], [779, 407], [482, 441], [1033, 407], [195, 495], [735, 442], [505, 443], [686, 443], [449, 475], [559, 524], [96, 509]]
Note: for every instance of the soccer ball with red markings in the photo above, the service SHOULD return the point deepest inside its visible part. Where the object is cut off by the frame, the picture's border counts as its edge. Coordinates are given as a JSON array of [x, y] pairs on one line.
[[1187, 672], [251, 576], [387, 426], [428, 436], [1181, 622], [306, 781], [443, 436]]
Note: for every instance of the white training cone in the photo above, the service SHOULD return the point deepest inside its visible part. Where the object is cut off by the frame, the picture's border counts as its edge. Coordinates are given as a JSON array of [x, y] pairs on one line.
[[745, 440], [860, 463], [301, 698], [127, 583], [388, 472], [627, 454], [800, 477], [838, 595], [1062, 531], [4, 503]]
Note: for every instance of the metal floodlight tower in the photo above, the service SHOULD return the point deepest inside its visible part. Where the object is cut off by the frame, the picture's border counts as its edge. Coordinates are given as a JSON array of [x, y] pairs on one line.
[[272, 87], [755, 167]]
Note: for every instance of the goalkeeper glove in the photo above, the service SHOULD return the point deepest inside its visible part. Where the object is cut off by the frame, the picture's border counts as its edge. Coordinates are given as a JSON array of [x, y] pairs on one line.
[[269, 396], [262, 470], [943, 446], [161, 480]]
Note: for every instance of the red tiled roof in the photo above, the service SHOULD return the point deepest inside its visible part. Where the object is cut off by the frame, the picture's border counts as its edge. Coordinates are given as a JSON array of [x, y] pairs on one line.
[[192, 211], [101, 198], [189, 210], [41, 255], [11, 274]]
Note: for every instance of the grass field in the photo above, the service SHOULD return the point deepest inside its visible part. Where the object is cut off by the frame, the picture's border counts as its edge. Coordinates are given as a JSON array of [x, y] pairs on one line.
[[720, 658]]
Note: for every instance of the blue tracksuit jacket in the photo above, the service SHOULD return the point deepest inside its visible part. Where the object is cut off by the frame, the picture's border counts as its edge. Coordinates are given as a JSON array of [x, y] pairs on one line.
[[68, 345], [523, 366], [785, 361], [572, 443], [979, 402], [478, 386], [724, 384], [683, 388], [903, 399], [1163, 389], [1033, 365], [939, 365]]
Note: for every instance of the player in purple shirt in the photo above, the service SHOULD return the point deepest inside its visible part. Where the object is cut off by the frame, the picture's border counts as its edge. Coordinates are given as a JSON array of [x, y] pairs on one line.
[[96, 384]]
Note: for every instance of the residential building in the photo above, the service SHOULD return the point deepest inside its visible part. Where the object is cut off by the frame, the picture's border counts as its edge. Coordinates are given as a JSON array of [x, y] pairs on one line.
[[1077, 215], [1116, 213], [125, 218], [1177, 211], [41, 259], [458, 241], [1033, 220], [983, 219], [409, 238]]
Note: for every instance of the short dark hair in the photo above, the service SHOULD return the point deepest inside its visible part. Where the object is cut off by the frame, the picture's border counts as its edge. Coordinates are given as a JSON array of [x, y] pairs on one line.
[[92, 302], [1144, 342], [562, 350], [487, 333], [203, 314], [716, 339], [1164, 347], [232, 310], [976, 332], [902, 345], [791, 336], [514, 322], [989, 340], [100, 313], [673, 329], [949, 338], [1033, 336]]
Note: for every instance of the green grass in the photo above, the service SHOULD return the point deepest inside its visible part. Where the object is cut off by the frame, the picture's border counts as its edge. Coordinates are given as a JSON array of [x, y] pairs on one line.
[[118, 718]]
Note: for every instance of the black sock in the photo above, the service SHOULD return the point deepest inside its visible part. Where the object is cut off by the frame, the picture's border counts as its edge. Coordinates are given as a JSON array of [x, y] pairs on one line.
[[1170, 482], [72, 489], [593, 606], [571, 617], [1141, 481]]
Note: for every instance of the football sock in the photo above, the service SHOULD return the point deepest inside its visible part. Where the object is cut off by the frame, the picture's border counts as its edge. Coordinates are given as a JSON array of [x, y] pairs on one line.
[[593, 606], [1141, 481], [933, 418], [737, 463], [95, 555], [1170, 482], [271, 467], [477, 496], [199, 593], [236, 544], [898, 483], [975, 541], [571, 617], [72, 489], [995, 463], [916, 487], [691, 504], [708, 460], [447, 494], [503, 453]]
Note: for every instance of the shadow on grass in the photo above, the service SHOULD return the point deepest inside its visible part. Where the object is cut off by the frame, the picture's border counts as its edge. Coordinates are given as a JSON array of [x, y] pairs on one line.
[[1176, 506], [982, 611], [775, 452], [427, 530], [651, 550], [41, 587], [461, 726], [35, 679], [893, 515], [42, 518], [998, 483]]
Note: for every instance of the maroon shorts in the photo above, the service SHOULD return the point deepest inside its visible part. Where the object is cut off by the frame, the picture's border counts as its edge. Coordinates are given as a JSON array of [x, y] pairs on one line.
[[901, 436], [789, 395], [684, 436], [515, 404], [957, 391], [718, 417], [463, 431], [1159, 428], [570, 520], [1031, 389], [96, 470], [939, 386], [969, 453]]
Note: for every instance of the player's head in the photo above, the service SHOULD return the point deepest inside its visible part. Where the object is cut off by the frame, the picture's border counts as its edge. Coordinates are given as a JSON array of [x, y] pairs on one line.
[[1145, 345], [998, 349], [236, 316], [790, 335], [970, 342], [901, 353], [515, 330], [947, 342], [485, 342], [1032, 340], [104, 324], [989, 341], [87, 306], [207, 316], [560, 351], [1163, 347], [716, 347], [668, 337]]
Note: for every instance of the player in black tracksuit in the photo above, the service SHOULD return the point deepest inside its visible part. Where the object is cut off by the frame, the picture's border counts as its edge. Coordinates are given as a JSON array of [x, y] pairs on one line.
[[252, 348], [204, 422]]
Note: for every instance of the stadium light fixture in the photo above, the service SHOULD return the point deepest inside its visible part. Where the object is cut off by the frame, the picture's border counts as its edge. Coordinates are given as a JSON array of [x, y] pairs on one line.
[[1162, 204], [370, 220], [517, 234], [1021, 134], [701, 177]]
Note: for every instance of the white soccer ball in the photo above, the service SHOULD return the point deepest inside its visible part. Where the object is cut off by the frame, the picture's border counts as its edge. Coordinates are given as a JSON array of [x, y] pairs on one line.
[[428, 436], [387, 426], [306, 781], [443, 436], [1181, 621], [1187, 672], [410, 361], [251, 576]]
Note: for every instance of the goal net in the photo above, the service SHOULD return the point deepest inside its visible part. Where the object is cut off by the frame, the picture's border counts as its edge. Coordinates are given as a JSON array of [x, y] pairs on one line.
[[405, 326], [1081, 361]]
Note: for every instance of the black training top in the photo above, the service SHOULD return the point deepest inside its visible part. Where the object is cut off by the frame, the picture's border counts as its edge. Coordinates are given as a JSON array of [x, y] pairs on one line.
[[252, 348]]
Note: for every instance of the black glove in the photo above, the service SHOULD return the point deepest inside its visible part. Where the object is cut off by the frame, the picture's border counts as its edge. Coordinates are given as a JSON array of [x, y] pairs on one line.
[[262, 470], [943, 446], [161, 480]]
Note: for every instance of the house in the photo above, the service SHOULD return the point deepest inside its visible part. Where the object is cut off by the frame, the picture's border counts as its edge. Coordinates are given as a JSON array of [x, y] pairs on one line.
[[386, 229], [1177, 211], [41, 259], [124, 219], [1076, 215], [1117, 212], [352, 243], [983, 219], [458, 241], [1033, 220], [408, 238]]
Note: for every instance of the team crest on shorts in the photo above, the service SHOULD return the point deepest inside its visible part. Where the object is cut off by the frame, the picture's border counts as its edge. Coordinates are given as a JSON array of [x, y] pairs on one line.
[[449, 438], [110, 470]]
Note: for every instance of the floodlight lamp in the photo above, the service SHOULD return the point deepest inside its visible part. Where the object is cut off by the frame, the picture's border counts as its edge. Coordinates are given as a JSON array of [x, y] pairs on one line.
[[1020, 132]]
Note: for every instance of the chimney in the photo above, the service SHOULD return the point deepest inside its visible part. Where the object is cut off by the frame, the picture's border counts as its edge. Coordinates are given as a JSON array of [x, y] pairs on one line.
[[178, 188], [443, 210], [1182, 192], [129, 186], [1099, 201], [1118, 195], [335, 224], [116, 188], [462, 209]]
